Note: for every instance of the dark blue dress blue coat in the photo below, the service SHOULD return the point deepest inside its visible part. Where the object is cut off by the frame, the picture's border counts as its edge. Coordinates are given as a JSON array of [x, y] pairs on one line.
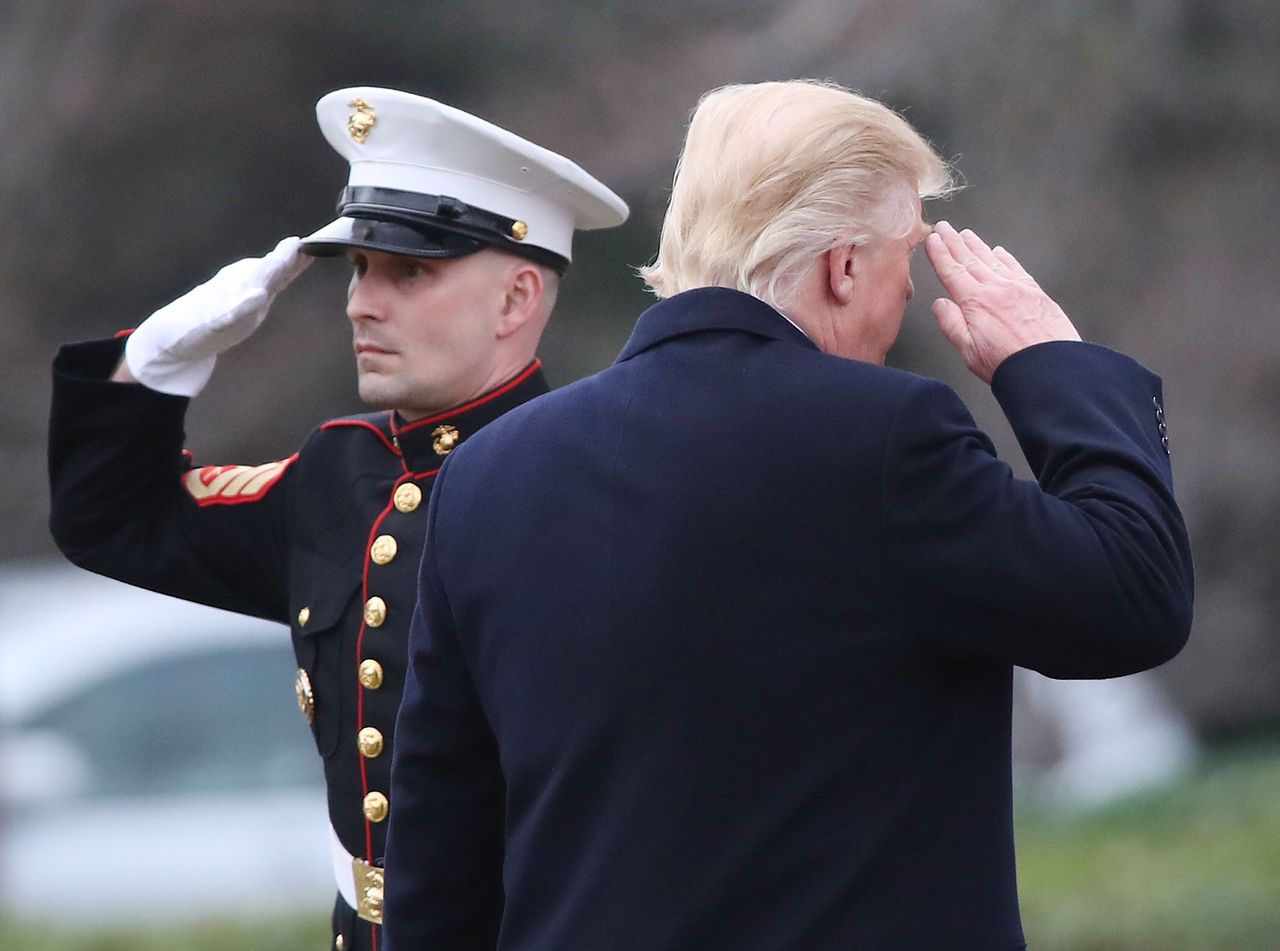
[[309, 541], [714, 648]]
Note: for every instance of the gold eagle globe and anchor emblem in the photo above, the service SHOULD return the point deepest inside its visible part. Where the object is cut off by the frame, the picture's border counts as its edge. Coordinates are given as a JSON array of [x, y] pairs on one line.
[[445, 438], [361, 122], [370, 882]]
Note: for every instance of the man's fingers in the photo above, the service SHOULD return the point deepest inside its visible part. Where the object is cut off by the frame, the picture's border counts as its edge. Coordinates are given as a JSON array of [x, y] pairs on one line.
[[951, 272], [282, 264], [952, 323], [960, 251], [994, 307], [957, 267], [979, 249], [1014, 267]]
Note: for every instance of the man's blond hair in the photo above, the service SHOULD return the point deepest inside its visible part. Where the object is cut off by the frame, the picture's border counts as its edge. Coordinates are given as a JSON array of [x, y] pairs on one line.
[[774, 174]]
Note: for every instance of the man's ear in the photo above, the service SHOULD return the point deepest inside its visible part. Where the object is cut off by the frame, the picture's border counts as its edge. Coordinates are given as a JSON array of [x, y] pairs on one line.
[[840, 262], [525, 287]]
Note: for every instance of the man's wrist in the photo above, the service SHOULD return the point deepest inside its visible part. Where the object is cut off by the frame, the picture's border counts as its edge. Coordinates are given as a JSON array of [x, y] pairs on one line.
[[122, 373]]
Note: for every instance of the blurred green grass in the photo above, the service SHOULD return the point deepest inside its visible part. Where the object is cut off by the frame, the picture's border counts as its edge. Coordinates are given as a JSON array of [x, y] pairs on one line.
[[1194, 867], [304, 934]]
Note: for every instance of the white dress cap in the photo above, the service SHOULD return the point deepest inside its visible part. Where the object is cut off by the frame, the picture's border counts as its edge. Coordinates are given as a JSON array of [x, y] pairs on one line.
[[422, 170]]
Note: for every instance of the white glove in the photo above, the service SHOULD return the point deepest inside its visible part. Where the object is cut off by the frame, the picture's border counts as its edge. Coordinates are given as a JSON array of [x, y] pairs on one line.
[[174, 350], [339, 230]]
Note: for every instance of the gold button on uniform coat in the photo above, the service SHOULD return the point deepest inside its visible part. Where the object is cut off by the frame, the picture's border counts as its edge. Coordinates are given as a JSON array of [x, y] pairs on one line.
[[369, 741], [370, 674], [375, 611], [375, 807], [407, 497], [383, 550]]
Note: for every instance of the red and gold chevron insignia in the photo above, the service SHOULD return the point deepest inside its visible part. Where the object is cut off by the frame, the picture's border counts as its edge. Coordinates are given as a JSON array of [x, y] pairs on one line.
[[232, 485]]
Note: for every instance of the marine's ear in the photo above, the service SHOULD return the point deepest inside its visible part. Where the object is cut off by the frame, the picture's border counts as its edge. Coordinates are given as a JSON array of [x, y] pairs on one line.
[[525, 288]]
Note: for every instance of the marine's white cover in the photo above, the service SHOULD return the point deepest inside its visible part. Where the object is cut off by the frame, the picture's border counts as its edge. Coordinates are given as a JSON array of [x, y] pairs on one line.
[[411, 143]]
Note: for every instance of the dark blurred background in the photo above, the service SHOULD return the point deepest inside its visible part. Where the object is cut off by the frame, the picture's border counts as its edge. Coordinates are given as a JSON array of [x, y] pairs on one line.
[[1128, 151]]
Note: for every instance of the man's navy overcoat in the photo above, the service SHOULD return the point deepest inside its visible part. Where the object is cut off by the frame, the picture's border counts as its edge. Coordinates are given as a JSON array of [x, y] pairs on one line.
[[714, 648]]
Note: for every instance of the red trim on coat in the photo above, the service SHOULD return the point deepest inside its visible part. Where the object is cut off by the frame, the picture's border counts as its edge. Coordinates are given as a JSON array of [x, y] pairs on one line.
[[507, 387]]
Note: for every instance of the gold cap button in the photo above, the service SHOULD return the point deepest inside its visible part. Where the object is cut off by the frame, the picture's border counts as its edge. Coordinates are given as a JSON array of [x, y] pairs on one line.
[[407, 497], [375, 611], [376, 807], [370, 674], [303, 617], [383, 550], [369, 741], [519, 230], [306, 698]]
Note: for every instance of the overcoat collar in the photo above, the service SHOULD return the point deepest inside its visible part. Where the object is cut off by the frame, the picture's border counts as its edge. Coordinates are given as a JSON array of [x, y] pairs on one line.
[[709, 308]]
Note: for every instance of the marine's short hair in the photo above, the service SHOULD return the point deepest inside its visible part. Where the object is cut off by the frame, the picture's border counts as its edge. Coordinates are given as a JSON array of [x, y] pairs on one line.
[[774, 174]]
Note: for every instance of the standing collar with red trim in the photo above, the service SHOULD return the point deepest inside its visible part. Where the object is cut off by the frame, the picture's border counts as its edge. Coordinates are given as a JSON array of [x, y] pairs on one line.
[[425, 442]]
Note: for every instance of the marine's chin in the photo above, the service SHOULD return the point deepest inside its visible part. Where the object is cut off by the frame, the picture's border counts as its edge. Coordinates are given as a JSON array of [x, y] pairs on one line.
[[375, 391]]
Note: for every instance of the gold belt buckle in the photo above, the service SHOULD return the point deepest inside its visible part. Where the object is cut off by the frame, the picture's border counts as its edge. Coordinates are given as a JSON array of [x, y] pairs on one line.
[[369, 879]]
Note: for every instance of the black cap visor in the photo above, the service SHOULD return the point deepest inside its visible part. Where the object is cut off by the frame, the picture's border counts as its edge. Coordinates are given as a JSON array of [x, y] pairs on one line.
[[424, 226], [395, 238]]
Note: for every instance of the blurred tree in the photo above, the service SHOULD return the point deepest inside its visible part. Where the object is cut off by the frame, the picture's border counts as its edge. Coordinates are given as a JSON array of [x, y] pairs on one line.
[[1127, 151]]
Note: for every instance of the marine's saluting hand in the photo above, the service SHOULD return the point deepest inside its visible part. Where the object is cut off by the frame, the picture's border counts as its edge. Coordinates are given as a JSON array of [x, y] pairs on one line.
[[174, 349], [994, 307]]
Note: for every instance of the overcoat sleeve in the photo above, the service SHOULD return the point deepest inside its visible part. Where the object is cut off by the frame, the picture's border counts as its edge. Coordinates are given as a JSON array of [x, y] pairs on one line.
[[445, 839], [1085, 573], [126, 502]]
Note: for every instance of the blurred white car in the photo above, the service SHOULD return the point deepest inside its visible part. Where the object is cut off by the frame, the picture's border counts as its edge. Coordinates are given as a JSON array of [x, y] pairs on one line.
[[153, 762]]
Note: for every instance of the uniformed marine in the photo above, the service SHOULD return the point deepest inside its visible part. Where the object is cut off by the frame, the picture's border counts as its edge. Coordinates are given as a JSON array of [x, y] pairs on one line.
[[457, 232]]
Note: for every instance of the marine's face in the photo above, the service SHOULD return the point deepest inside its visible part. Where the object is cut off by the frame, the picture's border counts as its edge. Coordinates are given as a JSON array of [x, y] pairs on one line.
[[425, 330]]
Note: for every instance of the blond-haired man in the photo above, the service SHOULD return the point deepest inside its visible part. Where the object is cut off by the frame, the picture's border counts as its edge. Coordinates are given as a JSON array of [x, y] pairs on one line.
[[754, 693]]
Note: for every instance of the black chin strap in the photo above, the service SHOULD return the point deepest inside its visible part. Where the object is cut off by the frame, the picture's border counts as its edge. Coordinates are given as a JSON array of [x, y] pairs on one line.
[[441, 213]]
